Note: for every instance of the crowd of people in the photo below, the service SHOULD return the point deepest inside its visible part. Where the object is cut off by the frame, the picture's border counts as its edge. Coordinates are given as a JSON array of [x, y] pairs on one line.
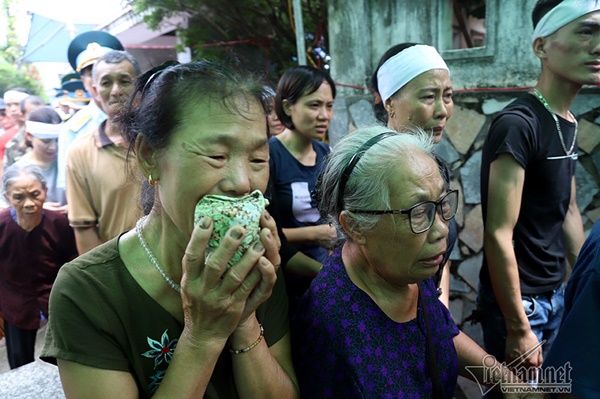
[[344, 291]]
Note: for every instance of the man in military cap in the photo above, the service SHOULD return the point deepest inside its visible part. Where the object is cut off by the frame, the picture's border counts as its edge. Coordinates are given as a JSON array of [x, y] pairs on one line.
[[73, 96], [83, 52], [100, 193]]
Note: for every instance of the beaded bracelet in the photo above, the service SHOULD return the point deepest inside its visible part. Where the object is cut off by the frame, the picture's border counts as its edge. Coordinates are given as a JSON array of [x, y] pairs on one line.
[[260, 337]]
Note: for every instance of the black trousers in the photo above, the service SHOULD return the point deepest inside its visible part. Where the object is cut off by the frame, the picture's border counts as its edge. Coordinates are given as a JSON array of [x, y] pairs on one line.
[[20, 345]]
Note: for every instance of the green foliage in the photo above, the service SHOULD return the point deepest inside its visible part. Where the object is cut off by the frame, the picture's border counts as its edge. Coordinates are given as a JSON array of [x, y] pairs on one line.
[[10, 77], [13, 48], [257, 34], [12, 74]]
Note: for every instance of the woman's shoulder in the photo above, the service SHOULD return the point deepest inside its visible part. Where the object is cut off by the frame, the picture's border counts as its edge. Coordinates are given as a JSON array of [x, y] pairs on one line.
[[321, 146], [523, 112], [101, 263], [5, 214], [277, 148], [56, 217], [26, 159], [331, 287], [439, 313], [274, 141]]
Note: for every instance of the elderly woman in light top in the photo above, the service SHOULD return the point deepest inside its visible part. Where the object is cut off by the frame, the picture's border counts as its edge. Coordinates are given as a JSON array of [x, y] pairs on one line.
[[414, 88]]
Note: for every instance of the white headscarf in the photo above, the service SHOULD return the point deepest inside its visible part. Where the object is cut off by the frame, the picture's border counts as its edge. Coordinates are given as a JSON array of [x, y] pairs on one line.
[[42, 130], [14, 95], [564, 13], [405, 66]]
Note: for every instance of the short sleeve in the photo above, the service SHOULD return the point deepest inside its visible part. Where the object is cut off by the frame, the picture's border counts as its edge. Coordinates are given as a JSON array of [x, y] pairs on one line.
[[78, 319], [79, 198], [512, 133]]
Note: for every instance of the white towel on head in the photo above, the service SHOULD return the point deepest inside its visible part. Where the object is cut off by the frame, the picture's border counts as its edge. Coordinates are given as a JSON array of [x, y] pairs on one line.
[[42, 130], [18, 95], [405, 66], [564, 13]]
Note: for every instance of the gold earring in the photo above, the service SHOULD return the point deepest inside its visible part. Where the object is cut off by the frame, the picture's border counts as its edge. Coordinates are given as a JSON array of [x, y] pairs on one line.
[[151, 180], [392, 113]]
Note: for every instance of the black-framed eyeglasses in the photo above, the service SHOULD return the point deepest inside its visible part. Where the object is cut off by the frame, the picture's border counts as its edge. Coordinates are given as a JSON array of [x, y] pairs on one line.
[[422, 215]]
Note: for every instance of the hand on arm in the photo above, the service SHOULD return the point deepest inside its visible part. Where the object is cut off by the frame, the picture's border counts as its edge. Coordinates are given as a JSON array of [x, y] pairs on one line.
[[504, 201]]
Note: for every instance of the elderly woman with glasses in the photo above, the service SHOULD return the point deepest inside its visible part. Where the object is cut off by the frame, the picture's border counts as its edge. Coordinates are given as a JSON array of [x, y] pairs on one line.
[[371, 322]]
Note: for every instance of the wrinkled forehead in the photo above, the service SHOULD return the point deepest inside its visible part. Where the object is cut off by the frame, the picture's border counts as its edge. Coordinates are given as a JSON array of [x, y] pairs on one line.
[[419, 171], [24, 183], [432, 79], [122, 68]]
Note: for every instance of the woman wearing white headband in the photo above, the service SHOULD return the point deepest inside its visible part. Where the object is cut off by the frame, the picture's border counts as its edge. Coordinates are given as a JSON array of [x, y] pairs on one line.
[[41, 130], [413, 83], [413, 89]]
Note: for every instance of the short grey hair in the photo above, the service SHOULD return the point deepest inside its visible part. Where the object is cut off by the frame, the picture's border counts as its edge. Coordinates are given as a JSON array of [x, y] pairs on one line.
[[16, 171], [368, 184], [115, 57]]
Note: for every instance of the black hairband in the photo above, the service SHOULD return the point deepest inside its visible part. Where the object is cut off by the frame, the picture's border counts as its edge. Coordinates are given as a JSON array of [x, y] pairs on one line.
[[158, 71], [354, 160]]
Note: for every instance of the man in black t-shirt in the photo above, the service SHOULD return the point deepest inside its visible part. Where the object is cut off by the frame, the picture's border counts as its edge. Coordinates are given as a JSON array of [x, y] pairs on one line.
[[532, 223]]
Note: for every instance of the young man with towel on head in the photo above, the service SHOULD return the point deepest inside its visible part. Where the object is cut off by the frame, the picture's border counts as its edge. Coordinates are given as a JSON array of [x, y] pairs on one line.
[[532, 222]]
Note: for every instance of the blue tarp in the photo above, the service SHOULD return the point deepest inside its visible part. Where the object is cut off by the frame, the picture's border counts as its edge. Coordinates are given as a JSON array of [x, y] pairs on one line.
[[49, 39]]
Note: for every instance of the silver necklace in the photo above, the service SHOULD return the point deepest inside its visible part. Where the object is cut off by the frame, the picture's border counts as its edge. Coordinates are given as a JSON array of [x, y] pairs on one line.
[[153, 260], [560, 135]]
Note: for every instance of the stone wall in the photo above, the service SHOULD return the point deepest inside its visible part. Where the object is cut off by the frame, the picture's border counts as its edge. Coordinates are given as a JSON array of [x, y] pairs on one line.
[[461, 149]]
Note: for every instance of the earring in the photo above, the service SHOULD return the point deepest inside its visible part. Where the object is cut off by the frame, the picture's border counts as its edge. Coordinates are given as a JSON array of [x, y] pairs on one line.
[[392, 113], [151, 180]]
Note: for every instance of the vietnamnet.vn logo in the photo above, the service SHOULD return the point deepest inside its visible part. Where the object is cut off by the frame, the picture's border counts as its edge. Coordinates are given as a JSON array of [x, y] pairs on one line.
[[523, 379]]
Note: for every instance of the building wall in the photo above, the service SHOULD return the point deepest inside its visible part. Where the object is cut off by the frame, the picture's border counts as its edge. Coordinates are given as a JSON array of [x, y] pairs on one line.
[[362, 30]]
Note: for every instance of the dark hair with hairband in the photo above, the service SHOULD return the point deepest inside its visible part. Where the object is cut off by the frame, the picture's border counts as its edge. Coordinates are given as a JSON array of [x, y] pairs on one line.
[[157, 104]]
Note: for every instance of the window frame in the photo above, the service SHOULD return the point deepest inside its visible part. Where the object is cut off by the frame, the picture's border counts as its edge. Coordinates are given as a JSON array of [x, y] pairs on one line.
[[444, 40]]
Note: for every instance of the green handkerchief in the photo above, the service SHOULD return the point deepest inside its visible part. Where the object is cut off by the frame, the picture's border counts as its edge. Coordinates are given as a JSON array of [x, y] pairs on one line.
[[227, 212]]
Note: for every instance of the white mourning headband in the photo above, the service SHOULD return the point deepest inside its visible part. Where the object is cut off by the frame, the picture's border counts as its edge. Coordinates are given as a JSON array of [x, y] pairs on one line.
[[562, 14], [18, 95], [42, 130], [405, 66]]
